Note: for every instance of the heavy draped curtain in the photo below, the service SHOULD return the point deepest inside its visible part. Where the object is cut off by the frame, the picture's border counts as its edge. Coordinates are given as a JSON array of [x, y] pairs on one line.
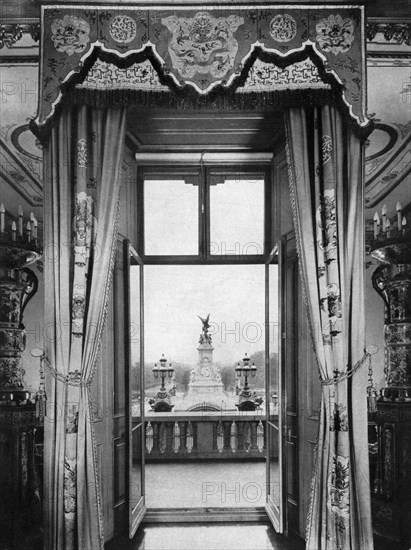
[[81, 190], [325, 173], [81, 194]]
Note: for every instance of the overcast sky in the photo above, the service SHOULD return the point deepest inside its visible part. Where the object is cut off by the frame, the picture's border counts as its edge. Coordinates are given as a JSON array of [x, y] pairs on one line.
[[175, 295]]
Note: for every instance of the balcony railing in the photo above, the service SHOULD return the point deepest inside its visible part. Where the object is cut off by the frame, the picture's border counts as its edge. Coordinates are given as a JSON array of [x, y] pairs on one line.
[[196, 435]]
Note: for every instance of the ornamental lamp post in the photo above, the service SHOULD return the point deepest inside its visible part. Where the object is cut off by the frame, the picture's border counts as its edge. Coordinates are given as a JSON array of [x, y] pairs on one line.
[[163, 371], [248, 401], [162, 401], [245, 370]]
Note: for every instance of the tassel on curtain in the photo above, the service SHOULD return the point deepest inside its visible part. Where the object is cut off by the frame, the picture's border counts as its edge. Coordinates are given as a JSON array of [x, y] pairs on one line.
[[326, 185], [81, 191]]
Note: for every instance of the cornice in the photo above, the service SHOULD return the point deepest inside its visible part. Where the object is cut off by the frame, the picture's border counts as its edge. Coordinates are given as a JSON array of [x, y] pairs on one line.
[[10, 33], [392, 31]]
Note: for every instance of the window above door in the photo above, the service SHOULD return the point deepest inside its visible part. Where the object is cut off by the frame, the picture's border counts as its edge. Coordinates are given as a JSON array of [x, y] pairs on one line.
[[171, 214], [205, 214]]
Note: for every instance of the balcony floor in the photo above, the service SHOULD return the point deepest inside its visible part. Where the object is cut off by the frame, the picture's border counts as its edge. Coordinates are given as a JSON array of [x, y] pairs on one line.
[[206, 484], [231, 536]]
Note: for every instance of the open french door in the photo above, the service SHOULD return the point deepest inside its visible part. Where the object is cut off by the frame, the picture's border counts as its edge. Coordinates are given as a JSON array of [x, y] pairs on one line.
[[282, 386], [134, 282], [289, 373], [275, 501]]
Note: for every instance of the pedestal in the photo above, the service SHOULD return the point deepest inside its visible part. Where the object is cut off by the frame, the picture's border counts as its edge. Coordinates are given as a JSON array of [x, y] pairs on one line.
[[391, 489], [161, 402], [205, 386], [20, 476], [248, 400]]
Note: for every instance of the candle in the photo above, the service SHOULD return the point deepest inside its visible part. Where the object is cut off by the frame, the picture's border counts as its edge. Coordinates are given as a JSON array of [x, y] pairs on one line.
[[20, 211], [13, 231], [376, 225], [399, 216], [35, 222], [2, 219], [404, 223], [28, 231], [388, 228], [384, 218]]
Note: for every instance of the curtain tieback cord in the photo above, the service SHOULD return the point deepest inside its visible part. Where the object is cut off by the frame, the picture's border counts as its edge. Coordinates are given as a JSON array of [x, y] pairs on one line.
[[71, 379], [340, 377]]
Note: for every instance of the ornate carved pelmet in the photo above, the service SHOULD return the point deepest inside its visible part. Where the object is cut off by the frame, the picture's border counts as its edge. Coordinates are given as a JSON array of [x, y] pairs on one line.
[[306, 54]]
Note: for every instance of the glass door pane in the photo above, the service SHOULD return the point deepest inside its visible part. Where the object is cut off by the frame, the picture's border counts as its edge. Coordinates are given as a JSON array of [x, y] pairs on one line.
[[137, 508], [273, 389]]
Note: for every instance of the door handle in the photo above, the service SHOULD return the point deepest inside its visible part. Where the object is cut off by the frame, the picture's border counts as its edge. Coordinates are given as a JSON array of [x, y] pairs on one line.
[[288, 434]]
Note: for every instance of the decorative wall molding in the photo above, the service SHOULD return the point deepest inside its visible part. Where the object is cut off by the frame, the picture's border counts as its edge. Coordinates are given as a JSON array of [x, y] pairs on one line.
[[388, 153], [391, 31], [398, 32], [16, 173], [10, 33], [190, 158], [384, 59]]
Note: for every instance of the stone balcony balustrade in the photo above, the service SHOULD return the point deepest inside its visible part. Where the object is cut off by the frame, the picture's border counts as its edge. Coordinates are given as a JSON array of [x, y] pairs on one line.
[[206, 435]]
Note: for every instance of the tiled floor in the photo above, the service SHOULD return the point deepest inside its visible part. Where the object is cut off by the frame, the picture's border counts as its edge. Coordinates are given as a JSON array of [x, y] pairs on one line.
[[230, 536], [207, 484]]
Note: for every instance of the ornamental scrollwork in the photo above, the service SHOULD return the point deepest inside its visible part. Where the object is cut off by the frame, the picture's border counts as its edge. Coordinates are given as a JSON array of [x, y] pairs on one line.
[[335, 34], [10, 33], [283, 28], [11, 374], [123, 29], [339, 497], [70, 34], [327, 226], [339, 418], [82, 153], [203, 43], [396, 32]]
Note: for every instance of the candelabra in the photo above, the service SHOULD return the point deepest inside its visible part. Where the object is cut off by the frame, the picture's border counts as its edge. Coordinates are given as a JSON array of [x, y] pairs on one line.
[[248, 400], [18, 284], [161, 402], [392, 281]]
